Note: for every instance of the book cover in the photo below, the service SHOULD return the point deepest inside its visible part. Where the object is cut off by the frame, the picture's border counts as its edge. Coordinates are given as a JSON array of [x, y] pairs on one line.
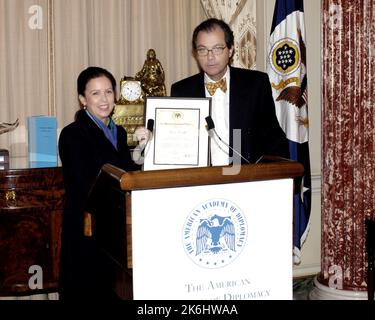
[[42, 141], [4, 159]]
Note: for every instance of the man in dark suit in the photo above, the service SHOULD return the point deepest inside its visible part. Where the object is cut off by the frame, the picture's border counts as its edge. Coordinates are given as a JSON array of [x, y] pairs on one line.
[[243, 99]]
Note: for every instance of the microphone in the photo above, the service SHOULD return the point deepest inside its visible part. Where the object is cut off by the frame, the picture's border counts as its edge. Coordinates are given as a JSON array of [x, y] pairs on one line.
[[211, 130], [210, 123], [150, 125]]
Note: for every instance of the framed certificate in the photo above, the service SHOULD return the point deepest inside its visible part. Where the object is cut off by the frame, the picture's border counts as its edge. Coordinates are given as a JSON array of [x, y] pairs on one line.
[[180, 138]]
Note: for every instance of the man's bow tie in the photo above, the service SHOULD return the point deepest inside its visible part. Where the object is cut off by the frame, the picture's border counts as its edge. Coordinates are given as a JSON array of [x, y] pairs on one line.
[[212, 86]]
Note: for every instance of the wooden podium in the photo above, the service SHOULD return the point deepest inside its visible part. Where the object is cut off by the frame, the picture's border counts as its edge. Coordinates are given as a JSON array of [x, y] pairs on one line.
[[109, 211]]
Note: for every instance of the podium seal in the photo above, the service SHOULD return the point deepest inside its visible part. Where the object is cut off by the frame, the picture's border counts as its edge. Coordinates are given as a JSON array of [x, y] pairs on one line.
[[214, 233]]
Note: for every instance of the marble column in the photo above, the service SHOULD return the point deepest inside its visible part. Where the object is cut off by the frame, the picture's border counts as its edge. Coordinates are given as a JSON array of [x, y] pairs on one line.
[[348, 142]]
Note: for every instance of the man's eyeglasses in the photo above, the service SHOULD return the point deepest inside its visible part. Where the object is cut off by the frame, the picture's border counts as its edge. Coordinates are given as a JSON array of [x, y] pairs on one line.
[[202, 52]]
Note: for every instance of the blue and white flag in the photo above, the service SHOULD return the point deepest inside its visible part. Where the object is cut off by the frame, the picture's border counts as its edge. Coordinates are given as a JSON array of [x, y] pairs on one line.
[[287, 72]]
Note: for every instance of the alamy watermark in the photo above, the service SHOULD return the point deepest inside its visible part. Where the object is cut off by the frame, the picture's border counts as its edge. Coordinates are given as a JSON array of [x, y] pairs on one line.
[[335, 280], [36, 18], [36, 280], [236, 158]]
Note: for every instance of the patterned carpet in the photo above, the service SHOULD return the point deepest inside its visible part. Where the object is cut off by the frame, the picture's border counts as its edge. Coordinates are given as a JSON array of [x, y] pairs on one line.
[[302, 288]]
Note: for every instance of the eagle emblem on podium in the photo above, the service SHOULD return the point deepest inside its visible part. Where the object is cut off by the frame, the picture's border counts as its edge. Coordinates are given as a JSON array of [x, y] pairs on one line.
[[215, 234]]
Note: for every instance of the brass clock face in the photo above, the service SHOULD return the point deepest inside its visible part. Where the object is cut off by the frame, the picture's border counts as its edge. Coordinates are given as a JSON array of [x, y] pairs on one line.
[[131, 90], [129, 109]]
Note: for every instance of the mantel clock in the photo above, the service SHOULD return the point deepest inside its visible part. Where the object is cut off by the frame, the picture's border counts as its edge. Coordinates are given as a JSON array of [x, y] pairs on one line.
[[129, 110]]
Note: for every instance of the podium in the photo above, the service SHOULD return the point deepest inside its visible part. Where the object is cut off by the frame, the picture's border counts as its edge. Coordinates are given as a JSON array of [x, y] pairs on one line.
[[201, 221]]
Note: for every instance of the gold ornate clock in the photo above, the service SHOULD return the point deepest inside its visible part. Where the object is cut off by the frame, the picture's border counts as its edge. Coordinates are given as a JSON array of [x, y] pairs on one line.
[[129, 110], [131, 91]]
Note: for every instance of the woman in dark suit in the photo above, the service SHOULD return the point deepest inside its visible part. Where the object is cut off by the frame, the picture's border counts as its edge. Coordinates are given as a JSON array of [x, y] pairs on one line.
[[85, 145]]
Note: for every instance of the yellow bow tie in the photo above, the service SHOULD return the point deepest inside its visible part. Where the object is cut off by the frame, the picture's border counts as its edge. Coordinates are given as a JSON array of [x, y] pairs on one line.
[[212, 86]]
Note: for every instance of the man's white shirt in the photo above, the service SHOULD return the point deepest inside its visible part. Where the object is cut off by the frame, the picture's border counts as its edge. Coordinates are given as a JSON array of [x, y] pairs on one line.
[[220, 117]]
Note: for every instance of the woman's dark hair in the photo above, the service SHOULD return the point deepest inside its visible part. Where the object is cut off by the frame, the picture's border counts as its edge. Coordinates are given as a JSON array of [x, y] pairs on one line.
[[211, 24], [91, 73]]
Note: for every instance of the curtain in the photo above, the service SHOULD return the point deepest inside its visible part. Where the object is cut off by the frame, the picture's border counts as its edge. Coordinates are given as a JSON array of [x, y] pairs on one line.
[[348, 140], [241, 17], [44, 44], [23, 65]]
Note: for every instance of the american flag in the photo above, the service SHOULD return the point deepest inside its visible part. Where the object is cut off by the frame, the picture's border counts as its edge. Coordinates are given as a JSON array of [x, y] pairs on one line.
[[287, 72]]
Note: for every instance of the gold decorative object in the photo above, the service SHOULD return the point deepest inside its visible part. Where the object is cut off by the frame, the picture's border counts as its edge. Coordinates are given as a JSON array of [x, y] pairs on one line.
[[10, 199], [129, 116], [152, 76], [129, 111], [87, 224]]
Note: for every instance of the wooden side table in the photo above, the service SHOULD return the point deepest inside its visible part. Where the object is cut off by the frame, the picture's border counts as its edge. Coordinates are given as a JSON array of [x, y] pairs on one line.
[[31, 207]]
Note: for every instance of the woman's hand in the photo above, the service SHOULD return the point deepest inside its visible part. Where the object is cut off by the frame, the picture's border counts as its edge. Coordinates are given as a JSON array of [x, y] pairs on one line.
[[142, 135]]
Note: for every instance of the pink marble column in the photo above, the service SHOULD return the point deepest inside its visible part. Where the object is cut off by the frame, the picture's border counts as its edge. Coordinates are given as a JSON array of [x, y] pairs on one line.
[[348, 141]]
